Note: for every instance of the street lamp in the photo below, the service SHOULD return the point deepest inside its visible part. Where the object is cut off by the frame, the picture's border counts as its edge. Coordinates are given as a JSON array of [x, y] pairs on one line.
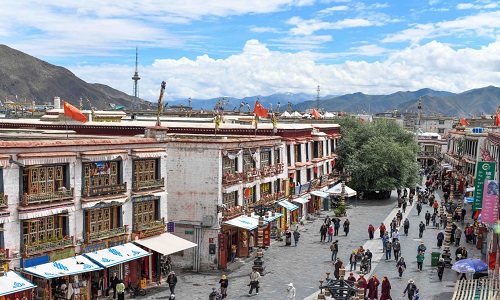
[[261, 210]]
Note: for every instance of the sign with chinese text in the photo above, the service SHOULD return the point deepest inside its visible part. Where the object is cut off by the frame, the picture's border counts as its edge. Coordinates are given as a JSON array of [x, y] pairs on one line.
[[485, 171], [489, 212]]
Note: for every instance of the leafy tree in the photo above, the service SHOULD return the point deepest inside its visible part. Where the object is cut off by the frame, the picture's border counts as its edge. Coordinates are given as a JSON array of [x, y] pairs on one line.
[[380, 155]]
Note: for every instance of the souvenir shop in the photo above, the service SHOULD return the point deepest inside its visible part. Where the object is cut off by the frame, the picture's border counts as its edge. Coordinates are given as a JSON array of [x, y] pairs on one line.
[[289, 214], [238, 231], [13, 286]]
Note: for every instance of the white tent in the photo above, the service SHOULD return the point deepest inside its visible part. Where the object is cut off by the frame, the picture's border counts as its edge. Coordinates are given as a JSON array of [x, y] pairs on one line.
[[328, 115], [296, 114], [285, 115], [337, 190]]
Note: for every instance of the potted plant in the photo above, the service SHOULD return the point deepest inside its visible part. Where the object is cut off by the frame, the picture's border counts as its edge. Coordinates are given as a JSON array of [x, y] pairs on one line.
[[339, 211]]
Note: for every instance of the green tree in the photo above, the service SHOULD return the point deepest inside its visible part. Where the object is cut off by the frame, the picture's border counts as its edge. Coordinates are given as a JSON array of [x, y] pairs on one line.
[[380, 155]]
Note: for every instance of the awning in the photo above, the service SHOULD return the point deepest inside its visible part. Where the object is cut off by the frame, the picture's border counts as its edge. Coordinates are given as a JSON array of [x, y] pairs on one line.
[[244, 222], [268, 217], [301, 200], [320, 194], [166, 243], [470, 189], [469, 199], [116, 255], [288, 205], [337, 190], [64, 267], [11, 282]]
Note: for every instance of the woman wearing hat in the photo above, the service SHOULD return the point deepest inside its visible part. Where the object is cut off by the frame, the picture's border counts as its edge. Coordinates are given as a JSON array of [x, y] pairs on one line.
[[172, 281], [290, 291], [410, 289], [386, 289], [223, 286]]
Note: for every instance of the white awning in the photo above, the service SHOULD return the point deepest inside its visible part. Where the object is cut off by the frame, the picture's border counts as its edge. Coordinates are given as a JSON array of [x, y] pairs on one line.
[[268, 217], [301, 200], [11, 283], [337, 190], [64, 267], [116, 255], [320, 194], [166, 243], [288, 205], [244, 222], [470, 189], [44, 212]]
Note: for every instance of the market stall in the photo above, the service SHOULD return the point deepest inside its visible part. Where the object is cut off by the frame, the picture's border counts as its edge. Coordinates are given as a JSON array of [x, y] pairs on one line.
[[14, 286]]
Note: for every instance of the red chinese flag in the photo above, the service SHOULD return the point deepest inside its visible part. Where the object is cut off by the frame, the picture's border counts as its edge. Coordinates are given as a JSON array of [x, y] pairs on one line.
[[73, 112], [315, 114], [259, 110], [464, 122], [497, 119]]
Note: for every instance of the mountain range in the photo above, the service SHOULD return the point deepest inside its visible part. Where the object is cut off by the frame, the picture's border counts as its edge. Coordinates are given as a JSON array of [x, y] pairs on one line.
[[25, 77]]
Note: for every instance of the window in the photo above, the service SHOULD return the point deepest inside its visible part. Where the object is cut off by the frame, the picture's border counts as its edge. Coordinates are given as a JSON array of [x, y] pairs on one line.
[[44, 229], [145, 170], [429, 148], [228, 165], [265, 189], [39, 180], [298, 153], [441, 122], [103, 219], [440, 130], [318, 149], [248, 163], [308, 157], [265, 159], [103, 173], [146, 212], [229, 199], [277, 158], [289, 154]]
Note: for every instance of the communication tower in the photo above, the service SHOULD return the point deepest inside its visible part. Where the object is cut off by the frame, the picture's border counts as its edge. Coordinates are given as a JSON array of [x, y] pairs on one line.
[[136, 78]]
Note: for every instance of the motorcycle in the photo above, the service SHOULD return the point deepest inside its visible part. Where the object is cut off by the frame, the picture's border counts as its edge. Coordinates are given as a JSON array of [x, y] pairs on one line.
[[136, 290]]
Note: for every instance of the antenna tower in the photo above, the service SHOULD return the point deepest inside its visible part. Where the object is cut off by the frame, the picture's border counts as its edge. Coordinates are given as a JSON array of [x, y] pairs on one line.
[[136, 78], [317, 99]]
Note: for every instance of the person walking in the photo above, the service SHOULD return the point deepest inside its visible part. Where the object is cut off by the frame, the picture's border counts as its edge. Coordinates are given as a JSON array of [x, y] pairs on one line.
[[233, 252], [427, 218], [396, 247], [406, 226], [371, 231], [382, 229], [330, 233], [336, 226], [386, 289], [385, 238], [410, 289], [254, 282], [420, 260], [337, 264], [421, 228], [113, 281], [388, 249], [347, 223], [435, 205], [224, 282], [369, 255], [290, 291], [323, 231], [399, 218], [440, 268], [401, 266], [458, 236], [395, 235], [440, 238], [172, 281], [214, 295], [296, 236], [120, 290], [372, 287], [334, 247], [352, 260], [404, 205], [419, 207], [421, 247], [393, 225]]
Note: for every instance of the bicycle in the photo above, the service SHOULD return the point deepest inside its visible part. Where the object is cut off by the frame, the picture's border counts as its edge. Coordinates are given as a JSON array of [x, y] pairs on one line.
[[136, 290]]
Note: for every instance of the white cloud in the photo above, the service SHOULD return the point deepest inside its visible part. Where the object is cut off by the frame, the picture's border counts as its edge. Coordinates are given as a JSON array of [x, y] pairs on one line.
[[260, 71], [263, 29], [465, 6], [308, 27], [330, 10]]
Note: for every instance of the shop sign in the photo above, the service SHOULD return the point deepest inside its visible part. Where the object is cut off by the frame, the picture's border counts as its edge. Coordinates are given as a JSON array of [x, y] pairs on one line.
[[62, 254], [189, 232], [94, 247], [489, 212], [35, 261], [485, 171]]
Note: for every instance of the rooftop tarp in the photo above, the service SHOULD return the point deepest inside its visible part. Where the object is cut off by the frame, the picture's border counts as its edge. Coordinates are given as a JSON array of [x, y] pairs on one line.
[[166, 243], [11, 283], [116, 255], [64, 267]]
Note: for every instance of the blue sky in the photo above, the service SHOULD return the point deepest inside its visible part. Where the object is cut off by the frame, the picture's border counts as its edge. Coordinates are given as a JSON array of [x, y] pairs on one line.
[[238, 48]]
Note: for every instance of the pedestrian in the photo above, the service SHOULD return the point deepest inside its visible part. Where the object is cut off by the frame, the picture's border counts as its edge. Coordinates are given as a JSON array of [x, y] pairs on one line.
[[362, 284], [410, 289], [372, 287], [433, 219], [352, 260], [462, 216], [233, 252], [401, 266], [388, 249], [296, 236], [399, 218], [254, 282], [421, 247], [371, 231], [458, 235], [440, 238], [393, 225], [113, 281], [369, 255], [395, 235], [290, 291], [382, 229], [420, 260], [440, 268], [330, 233], [443, 221], [172, 281], [120, 290], [468, 233], [435, 205], [396, 246], [224, 282], [334, 247], [419, 208], [421, 228], [336, 226], [406, 226], [427, 218], [404, 205], [214, 295], [453, 229], [386, 289], [351, 277], [323, 231], [337, 264], [327, 221], [385, 238], [346, 226]]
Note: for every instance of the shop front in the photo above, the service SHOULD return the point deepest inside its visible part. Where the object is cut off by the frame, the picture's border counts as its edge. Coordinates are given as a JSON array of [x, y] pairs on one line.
[[238, 232], [303, 203], [271, 230], [289, 216], [322, 196], [124, 260], [69, 278], [14, 286]]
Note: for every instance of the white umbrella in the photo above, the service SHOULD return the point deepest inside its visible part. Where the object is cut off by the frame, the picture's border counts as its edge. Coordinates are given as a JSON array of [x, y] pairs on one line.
[[296, 114], [337, 190], [285, 114]]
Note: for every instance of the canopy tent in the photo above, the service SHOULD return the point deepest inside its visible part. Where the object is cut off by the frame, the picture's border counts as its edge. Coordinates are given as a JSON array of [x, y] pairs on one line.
[[165, 243], [11, 283], [268, 217], [301, 200], [116, 255], [328, 115], [320, 194], [288, 205], [295, 114], [244, 222], [285, 115], [337, 190], [64, 267]]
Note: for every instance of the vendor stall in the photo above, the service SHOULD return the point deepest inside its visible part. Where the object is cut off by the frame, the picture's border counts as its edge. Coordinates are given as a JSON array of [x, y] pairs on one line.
[[14, 286]]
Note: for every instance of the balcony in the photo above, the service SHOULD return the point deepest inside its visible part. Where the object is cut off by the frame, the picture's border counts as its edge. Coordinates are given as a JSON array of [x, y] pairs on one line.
[[150, 229], [47, 246], [149, 185], [232, 177], [273, 197], [105, 190], [4, 203], [251, 175], [434, 154], [104, 234], [48, 197]]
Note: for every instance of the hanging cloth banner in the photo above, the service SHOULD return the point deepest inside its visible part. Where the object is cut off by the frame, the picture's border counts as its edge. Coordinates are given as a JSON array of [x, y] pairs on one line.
[[485, 171]]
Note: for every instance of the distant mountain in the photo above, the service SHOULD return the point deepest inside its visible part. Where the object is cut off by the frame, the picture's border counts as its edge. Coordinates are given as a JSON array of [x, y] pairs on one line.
[[24, 78]]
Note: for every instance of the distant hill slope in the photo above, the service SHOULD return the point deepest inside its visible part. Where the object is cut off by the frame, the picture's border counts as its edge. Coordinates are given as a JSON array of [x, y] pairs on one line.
[[31, 78]]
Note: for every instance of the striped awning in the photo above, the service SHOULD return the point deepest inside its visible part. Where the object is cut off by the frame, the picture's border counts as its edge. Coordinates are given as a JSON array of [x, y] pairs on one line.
[[45, 210], [45, 158], [104, 155], [149, 152]]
